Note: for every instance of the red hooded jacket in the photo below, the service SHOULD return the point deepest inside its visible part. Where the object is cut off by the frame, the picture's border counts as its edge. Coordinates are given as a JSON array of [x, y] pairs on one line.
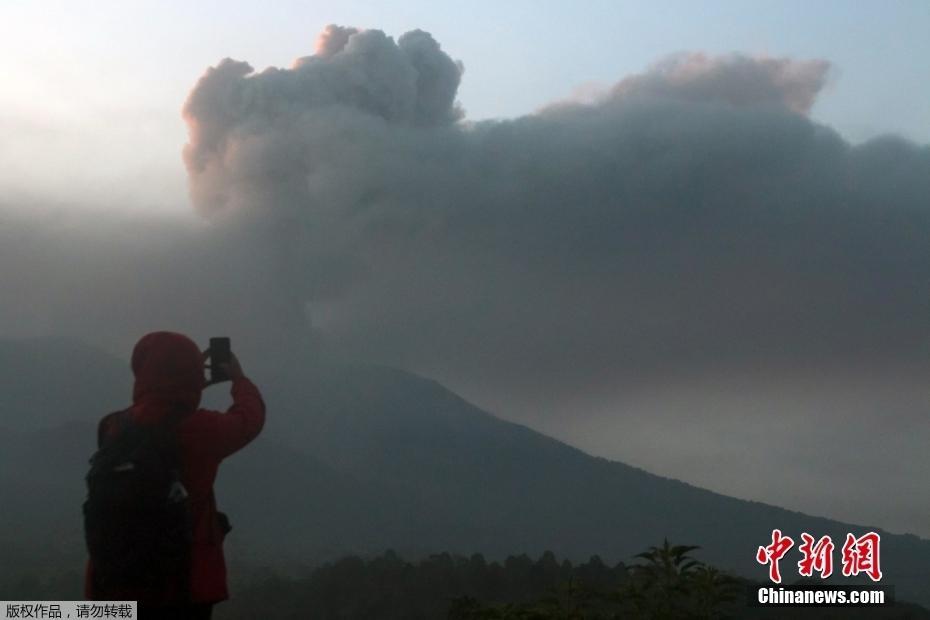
[[168, 369]]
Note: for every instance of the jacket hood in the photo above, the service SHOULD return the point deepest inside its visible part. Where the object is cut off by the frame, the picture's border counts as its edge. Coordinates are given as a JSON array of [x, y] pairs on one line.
[[168, 368]]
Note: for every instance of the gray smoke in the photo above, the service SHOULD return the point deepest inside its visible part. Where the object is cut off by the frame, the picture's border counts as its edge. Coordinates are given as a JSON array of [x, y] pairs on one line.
[[692, 215], [734, 79], [654, 274]]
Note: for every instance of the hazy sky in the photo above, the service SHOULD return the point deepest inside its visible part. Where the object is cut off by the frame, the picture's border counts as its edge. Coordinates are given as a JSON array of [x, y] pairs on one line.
[[693, 238]]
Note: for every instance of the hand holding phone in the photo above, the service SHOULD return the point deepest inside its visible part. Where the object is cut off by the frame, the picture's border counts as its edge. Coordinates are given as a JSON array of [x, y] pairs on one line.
[[223, 364]]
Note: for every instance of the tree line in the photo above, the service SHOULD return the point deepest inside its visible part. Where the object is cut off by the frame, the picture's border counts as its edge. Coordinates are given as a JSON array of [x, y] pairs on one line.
[[665, 582]]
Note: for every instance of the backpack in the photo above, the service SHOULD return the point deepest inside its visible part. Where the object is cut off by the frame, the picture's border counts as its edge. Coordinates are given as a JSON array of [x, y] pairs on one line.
[[137, 516]]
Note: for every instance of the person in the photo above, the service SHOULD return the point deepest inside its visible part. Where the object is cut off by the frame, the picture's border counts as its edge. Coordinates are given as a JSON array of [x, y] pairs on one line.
[[169, 379]]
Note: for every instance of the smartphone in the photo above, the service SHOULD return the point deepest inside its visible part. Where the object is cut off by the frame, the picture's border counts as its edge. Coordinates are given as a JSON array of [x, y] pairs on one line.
[[219, 354]]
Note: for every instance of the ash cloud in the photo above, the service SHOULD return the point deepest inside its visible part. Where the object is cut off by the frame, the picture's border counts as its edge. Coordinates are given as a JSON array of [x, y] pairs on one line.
[[734, 79], [602, 265], [265, 133], [693, 215]]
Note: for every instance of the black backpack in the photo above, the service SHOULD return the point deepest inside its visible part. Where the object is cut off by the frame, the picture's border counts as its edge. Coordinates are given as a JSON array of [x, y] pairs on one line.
[[137, 517]]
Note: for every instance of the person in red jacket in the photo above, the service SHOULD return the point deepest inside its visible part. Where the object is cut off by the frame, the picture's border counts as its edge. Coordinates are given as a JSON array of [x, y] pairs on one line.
[[169, 380]]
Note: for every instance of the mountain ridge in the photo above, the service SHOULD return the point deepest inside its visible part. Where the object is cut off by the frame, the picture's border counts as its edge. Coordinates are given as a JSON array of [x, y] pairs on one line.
[[366, 457]]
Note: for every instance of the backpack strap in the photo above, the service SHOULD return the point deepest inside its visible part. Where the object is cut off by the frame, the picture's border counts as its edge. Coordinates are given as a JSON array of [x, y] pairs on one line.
[[122, 419]]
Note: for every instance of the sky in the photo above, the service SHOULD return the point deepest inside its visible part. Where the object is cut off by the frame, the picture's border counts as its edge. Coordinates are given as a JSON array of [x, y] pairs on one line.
[[688, 236]]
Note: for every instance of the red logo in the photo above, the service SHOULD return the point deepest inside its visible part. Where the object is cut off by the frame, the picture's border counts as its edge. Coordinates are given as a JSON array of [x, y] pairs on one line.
[[773, 553], [817, 557], [860, 555]]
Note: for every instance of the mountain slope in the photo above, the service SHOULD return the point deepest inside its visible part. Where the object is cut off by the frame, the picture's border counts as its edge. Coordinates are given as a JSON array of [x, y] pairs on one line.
[[359, 458], [497, 487]]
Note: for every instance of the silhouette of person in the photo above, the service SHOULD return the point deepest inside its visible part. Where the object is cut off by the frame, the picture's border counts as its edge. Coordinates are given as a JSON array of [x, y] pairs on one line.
[[169, 379]]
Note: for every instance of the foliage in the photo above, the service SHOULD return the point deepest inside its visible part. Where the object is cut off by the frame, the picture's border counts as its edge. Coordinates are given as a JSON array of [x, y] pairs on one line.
[[665, 583]]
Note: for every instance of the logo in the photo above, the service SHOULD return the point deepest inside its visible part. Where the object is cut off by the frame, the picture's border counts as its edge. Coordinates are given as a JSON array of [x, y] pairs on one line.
[[858, 555]]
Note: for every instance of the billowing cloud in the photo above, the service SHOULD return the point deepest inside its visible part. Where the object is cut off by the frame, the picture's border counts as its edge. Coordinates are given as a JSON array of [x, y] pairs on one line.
[[735, 79], [258, 132], [691, 215], [586, 266]]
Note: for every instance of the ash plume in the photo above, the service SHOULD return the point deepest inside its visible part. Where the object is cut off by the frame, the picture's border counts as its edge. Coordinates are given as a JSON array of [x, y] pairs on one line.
[[692, 215]]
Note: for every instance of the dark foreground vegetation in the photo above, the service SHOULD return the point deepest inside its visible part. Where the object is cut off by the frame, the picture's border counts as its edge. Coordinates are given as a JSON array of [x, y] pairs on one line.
[[664, 583]]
